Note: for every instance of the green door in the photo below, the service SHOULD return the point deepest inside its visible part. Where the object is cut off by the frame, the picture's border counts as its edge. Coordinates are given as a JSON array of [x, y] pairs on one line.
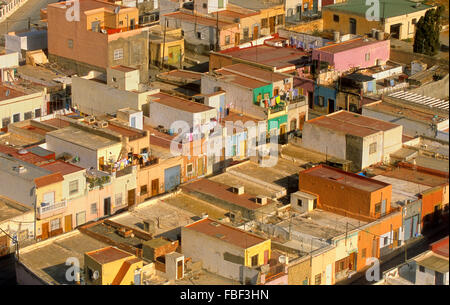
[[174, 56]]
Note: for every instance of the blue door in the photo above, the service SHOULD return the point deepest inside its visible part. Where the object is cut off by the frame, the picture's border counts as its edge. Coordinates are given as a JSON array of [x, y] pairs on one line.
[[172, 177]]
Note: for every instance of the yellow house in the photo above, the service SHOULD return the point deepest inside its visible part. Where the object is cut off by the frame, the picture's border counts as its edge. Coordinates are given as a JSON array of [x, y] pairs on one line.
[[106, 19], [396, 17], [112, 266], [50, 206], [173, 53], [322, 265]]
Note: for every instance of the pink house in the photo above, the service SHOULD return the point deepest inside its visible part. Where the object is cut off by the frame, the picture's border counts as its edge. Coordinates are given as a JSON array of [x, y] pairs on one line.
[[355, 53]]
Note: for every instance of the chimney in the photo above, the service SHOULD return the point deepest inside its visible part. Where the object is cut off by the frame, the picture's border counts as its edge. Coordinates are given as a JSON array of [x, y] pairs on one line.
[[238, 190], [262, 200]]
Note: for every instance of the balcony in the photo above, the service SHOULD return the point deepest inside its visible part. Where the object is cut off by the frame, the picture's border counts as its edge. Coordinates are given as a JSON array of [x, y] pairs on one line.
[[45, 211]]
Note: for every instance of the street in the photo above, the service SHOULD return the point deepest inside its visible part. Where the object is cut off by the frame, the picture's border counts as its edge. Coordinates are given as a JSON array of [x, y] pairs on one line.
[[19, 19]]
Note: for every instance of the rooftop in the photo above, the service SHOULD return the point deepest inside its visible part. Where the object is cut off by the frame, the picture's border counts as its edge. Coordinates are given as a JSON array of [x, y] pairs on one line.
[[222, 192], [9, 164], [433, 261], [25, 155], [348, 45], [422, 100], [352, 123], [255, 72], [346, 178], [182, 75], [10, 208], [237, 79], [179, 103], [276, 57], [8, 93], [123, 68], [390, 8], [62, 167], [49, 179], [402, 190], [83, 138], [411, 175], [108, 255], [211, 22], [53, 268], [256, 4], [226, 233]]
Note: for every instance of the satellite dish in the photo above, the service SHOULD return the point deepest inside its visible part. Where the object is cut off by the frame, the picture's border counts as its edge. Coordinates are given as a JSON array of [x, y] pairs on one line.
[[116, 10], [95, 275]]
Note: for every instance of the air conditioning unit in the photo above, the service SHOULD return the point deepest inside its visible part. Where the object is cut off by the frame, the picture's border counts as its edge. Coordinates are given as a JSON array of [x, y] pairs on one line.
[[238, 190], [262, 200]]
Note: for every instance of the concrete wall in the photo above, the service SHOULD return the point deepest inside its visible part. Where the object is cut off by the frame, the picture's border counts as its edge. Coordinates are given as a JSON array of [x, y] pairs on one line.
[[17, 188], [212, 253], [427, 277], [324, 141], [368, 158], [21, 105]]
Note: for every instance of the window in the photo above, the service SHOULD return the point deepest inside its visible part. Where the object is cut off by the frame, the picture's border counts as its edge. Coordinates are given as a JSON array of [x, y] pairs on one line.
[[246, 33], [70, 43], [73, 187], [378, 208], [305, 7], [37, 113], [227, 39], [300, 202], [421, 268], [5, 122], [367, 56], [264, 23], [200, 35], [121, 22], [220, 3], [373, 148], [118, 54], [94, 208], [27, 115], [205, 5], [55, 224], [321, 101], [255, 260], [335, 18], [414, 21], [386, 241], [118, 199], [189, 168], [318, 279], [280, 19], [16, 117], [363, 253], [143, 189]]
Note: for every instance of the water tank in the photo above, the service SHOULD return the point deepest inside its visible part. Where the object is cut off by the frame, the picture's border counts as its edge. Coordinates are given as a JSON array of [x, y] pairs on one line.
[[380, 35], [336, 36]]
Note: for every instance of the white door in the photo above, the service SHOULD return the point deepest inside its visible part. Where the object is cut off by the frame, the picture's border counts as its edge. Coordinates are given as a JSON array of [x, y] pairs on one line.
[[328, 275], [81, 218]]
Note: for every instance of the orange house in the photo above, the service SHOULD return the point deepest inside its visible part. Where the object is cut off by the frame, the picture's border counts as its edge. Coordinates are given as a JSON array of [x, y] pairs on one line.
[[432, 206], [347, 194]]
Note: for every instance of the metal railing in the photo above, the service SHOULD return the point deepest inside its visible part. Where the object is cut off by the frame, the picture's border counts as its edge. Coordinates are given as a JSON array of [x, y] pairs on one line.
[[46, 209]]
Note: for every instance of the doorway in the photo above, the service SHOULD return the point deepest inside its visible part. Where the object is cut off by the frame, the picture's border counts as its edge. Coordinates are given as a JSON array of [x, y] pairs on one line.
[[255, 32], [107, 206], [179, 269], [237, 39], [68, 223], [331, 106], [272, 24], [131, 197], [155, 187], [352, 26], [301, 121], [310, 100], [395, 30], [45, 230]]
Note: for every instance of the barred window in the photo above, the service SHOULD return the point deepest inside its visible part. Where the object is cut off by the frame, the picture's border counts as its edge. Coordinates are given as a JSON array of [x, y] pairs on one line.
[[118, 54], [373, 148], [94, 208], [119, 199], [73, 187], [55, 224]]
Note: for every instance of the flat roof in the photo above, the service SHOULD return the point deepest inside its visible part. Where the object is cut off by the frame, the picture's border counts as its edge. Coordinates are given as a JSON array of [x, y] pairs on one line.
[[108, 255], [278, 57], [352, 123], [238, 79], [255, 4], [25, 155], [123, 68], [179, 103], [83, 138], [48, 259], [434, 262], [391, 8], [346, 178], [7, 165], [253, 71], [223, 192], [226, 233], [8, 93], [402, 189], [405, 111], [414, 176], [124, 131], [10, 208], [348, 45], [62, 167], [57, 122], [182, 75]]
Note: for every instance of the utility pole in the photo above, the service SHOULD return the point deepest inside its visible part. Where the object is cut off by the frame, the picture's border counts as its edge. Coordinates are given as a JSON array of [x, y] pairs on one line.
[[164, 44]]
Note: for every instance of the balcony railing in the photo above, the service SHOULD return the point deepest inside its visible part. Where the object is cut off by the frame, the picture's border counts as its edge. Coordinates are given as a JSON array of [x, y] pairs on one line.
[[52, 209]]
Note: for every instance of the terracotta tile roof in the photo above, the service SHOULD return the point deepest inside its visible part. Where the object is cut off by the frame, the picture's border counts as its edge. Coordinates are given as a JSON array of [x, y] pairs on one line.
[[107, 255], [226, 233], [25, 156], [47, 180]]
